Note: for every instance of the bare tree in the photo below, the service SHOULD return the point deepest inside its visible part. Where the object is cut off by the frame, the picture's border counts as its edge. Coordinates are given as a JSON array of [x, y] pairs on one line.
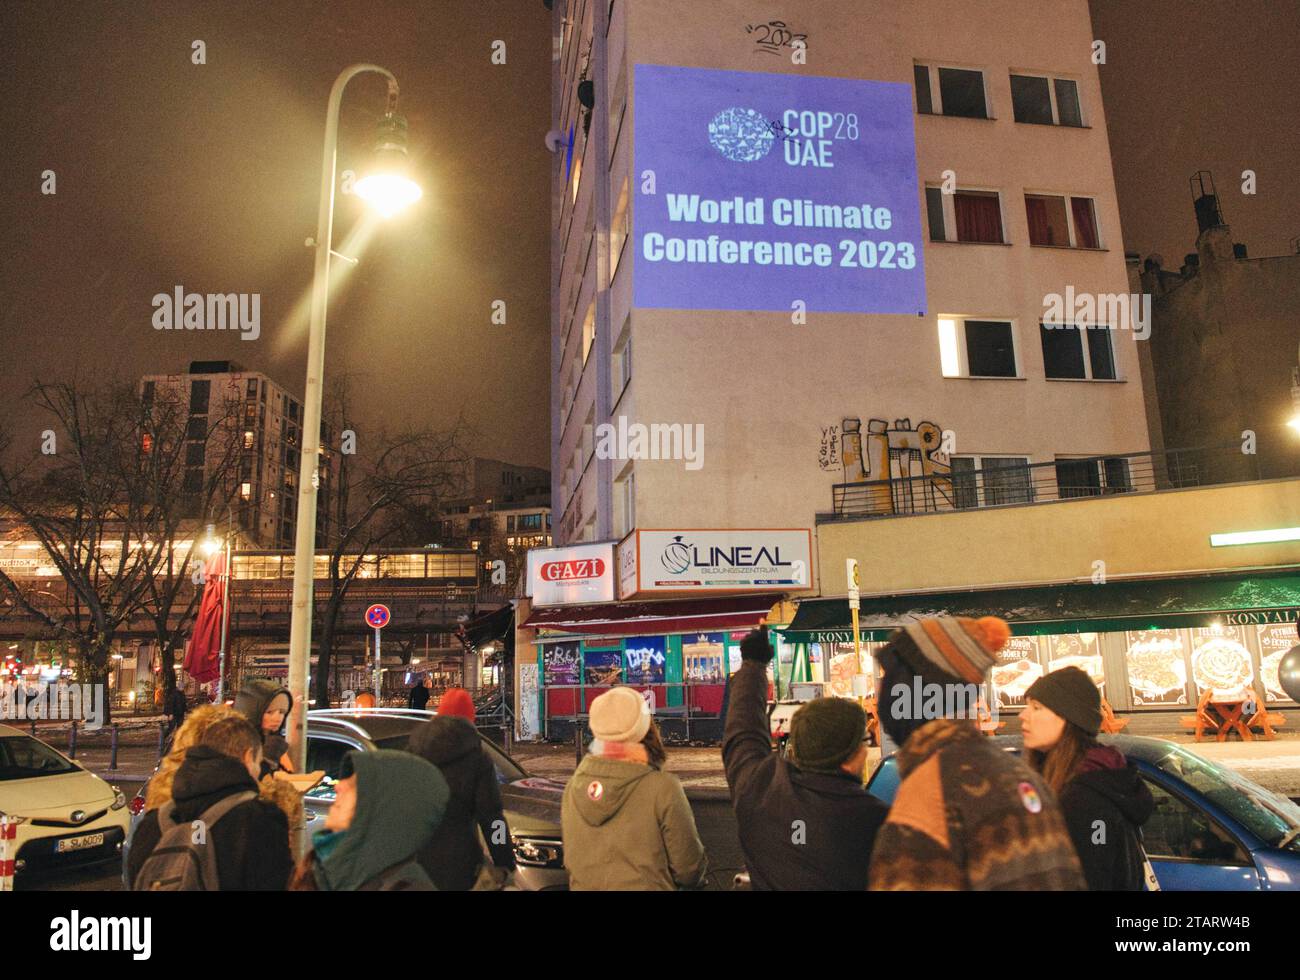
[[389, 492], [102, 495]]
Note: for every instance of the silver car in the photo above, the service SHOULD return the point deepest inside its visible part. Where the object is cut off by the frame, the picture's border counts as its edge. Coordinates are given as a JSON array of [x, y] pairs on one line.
[[531, 803]]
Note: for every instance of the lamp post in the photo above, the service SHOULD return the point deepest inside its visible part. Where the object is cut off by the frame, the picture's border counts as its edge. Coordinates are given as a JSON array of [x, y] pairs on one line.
[[388, 192]]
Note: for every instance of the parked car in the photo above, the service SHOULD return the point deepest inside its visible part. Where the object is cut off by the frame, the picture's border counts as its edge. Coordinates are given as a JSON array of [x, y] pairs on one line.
[[531, 803], [67, 815], [1212, 829]]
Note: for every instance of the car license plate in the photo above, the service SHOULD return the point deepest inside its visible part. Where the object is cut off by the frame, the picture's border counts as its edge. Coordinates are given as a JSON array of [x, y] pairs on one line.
[[79, 843]]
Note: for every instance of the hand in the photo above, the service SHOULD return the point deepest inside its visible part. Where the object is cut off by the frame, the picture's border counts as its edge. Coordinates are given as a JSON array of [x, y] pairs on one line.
[[755, 646]]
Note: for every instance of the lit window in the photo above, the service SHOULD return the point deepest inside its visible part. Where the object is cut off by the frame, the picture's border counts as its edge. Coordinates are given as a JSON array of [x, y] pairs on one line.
[[246, 490], [974, 348]]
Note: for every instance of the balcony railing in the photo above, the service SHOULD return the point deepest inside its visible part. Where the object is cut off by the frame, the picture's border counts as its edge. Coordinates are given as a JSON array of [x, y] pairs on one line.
[[1000, 482]]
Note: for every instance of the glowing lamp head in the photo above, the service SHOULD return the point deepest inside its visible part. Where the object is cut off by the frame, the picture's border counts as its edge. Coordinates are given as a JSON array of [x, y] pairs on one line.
[[211, 543], [386, 185]]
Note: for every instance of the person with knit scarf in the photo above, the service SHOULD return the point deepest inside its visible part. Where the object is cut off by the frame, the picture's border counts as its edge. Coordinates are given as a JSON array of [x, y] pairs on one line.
[[967, 816]]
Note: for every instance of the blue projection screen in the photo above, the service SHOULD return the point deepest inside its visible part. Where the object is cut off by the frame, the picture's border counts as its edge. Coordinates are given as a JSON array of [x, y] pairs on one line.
[[757, 190]]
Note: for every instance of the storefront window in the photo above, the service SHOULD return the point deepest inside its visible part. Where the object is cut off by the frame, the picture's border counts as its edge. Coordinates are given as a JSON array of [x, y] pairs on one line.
[[1157, 667]]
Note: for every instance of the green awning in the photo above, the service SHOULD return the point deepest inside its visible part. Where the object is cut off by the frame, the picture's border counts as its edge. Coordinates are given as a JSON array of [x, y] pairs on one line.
[[1130, 605]]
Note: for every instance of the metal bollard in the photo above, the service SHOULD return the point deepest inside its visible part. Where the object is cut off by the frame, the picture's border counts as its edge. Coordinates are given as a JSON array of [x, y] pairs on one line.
[[72, 740], [112, 749], [162, 738], [577, 745]]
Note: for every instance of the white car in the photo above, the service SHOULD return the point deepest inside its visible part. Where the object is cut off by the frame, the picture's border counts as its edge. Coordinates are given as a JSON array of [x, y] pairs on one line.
[[67, 815]]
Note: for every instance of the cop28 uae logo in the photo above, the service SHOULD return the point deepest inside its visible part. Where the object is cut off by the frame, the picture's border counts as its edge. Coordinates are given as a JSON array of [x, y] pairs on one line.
[[742, 135], [677, 556]]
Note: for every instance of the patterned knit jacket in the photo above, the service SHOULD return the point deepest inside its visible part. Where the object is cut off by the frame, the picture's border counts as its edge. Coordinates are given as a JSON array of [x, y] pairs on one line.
[[970, 817]]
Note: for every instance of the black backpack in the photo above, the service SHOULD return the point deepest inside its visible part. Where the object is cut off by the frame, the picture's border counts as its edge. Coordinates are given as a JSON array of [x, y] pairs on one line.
[[185, 859]]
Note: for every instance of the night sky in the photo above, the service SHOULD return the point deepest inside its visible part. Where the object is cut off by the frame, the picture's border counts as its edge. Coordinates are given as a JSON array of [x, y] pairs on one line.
[[206, 176]]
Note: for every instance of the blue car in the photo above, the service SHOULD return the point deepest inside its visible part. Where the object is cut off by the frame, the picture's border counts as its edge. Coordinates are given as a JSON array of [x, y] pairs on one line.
[[1212, 829]]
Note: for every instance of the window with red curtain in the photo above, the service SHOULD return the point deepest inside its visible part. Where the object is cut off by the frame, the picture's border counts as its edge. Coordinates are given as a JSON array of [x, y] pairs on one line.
[[1085, 223], [1036, 211], [979, 217]]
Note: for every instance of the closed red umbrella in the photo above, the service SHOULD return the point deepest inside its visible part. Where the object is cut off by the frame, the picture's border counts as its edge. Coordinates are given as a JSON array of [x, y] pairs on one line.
[[203, 652]]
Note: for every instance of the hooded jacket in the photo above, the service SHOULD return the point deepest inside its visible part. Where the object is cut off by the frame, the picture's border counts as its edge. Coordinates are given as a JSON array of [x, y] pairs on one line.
[[252, 702], [1105, 805], [453, 855], [799, 830], [970, 817], [628, 826], [400, 802], [251, 841]]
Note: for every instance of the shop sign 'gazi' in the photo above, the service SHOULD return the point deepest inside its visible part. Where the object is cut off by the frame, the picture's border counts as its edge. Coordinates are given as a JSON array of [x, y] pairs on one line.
[[576, 574]]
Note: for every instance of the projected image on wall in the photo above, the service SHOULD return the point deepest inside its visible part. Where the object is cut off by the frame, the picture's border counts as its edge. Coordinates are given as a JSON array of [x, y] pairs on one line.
[[759, 191]]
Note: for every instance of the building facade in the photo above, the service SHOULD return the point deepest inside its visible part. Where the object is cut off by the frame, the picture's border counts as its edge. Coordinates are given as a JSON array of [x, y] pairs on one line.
[[264, 421], [1014, 187], [1223, 347]]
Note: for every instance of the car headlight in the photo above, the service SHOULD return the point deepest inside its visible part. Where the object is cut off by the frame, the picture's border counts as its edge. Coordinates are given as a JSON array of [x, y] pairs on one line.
[[119, 798], [538, 852]]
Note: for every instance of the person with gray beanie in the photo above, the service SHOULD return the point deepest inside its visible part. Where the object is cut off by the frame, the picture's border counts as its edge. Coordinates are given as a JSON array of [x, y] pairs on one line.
[[805, 822], [626, 824], [1103, 798]]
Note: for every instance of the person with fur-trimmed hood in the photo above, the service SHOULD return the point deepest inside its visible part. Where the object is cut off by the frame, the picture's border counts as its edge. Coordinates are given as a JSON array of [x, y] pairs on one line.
[[967, 815]]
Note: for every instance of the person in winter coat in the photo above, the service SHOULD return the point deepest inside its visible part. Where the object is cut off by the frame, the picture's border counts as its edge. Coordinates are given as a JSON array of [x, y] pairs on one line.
[[1104, 799], [419, 698], [387, 806], [967, 815], [805, 822], [251, 840], [458, 703], [454, 854], [626, 823], [176, 705], [267, 705]]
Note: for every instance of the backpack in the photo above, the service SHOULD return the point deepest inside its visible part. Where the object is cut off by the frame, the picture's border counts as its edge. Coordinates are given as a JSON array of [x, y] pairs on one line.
[[178, 864]]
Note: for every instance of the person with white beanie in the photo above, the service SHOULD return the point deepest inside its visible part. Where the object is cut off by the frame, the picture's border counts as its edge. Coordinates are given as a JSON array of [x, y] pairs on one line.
[[626, 823]]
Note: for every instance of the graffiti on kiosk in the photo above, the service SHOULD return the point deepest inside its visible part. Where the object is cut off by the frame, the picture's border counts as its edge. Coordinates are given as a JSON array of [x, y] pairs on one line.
[[903, 452]]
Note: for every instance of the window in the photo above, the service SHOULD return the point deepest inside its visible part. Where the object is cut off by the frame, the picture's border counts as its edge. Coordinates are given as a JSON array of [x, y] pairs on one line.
[[1051, 223], [960, 90], [1092, 477], [1177, 830], [588, 332], [970, 348], [248, 439], [622, 367], [965, 216], [618, 231], [990, 481], [250, 390], [199, 391], [1045, 101], [530, 522], [625, 503], [195, 454], [246, 490], [1064, 357], [921, 77], [147, 394]]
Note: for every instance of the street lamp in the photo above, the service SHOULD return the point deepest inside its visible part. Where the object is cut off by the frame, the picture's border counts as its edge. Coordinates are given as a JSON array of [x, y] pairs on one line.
[[390, 189]]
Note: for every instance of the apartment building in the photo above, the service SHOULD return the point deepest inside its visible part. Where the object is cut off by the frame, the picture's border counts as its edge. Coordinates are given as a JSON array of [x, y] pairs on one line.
[[227, 403], [958, 385]]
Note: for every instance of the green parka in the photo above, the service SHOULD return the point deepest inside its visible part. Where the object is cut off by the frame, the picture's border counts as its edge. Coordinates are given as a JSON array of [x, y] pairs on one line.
[[627, 827]]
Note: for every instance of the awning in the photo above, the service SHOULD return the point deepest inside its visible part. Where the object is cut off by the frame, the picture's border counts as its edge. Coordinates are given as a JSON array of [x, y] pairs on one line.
[[642, 618], [1130, 605]]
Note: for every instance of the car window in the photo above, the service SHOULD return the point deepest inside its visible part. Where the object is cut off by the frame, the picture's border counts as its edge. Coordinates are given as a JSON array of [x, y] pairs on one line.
[[23, 757], [507, 769], [1265, 814], [325, 754], [1179, 830]]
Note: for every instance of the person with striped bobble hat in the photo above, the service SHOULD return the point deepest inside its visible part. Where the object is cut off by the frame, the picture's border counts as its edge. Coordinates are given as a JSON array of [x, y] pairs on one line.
[[968, 816]]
